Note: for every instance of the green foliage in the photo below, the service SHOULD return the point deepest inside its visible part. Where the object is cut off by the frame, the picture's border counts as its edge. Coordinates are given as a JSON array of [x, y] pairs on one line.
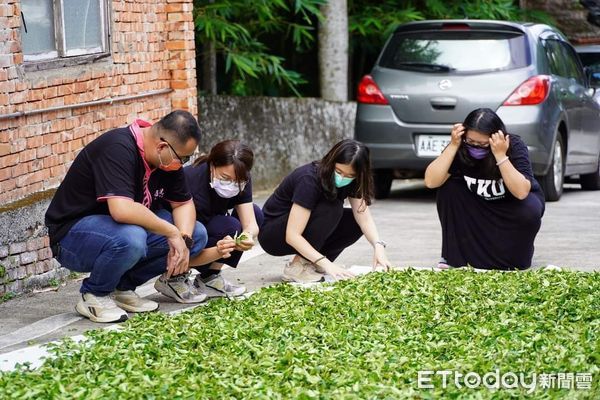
[[237, 29], [365, 338], [2, 271], [7, 296]]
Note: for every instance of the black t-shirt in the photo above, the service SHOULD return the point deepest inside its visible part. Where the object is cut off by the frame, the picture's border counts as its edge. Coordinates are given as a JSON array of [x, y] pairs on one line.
[[489, 188], [206, 200], [110, 166], [303, 187]]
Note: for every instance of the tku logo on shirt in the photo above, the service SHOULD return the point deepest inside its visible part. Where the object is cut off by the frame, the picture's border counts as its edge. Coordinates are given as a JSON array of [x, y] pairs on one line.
[[159, 194], [490, 189]]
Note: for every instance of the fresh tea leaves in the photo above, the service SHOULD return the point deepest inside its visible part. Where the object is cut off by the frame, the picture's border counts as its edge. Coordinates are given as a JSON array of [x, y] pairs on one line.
[[366, 338]]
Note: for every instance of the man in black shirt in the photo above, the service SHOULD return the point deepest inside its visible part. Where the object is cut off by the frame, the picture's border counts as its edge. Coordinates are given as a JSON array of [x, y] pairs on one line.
[[106, 216]]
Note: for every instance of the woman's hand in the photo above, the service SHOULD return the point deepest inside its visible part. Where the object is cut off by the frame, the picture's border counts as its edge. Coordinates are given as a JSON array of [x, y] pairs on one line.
[[380, 259], [499, 144], [225, 246], [337, 272], [246, 243], [458, 130]]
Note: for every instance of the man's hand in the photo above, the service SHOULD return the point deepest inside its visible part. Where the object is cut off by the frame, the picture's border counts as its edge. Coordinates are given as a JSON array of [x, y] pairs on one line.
[[179, 256]]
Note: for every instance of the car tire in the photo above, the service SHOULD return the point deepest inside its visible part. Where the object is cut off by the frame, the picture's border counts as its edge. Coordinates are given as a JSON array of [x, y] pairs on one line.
[[552, 183], [591, 181], [382, 180]]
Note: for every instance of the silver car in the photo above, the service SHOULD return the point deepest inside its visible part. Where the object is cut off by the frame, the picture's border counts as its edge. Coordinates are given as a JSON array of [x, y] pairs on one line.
[[431, 74]]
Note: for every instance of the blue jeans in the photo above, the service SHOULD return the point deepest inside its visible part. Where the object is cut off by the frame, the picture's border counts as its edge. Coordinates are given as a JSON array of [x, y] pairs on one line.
[[118, 256]]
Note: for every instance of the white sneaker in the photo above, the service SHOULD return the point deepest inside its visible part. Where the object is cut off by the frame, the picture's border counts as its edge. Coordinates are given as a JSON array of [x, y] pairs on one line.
[[220, 284], [180, 289], [130, 301], [302, 272], [100, 309]]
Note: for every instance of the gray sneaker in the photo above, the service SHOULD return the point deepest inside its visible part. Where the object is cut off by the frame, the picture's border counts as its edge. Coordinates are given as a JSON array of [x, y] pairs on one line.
[[301, 272], [220, 284], [100, 309], [180, 289], [130, 301]]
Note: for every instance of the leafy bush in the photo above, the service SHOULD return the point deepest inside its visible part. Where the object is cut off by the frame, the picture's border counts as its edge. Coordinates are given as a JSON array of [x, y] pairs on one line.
[[365, 338]]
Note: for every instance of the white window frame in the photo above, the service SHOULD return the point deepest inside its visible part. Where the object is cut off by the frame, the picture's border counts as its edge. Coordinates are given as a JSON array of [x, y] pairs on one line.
[[61, 51]]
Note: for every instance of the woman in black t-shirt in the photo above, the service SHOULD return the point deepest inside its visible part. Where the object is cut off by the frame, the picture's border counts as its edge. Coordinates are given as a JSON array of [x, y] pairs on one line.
[[305, 216], [219, 182], [489, 204]]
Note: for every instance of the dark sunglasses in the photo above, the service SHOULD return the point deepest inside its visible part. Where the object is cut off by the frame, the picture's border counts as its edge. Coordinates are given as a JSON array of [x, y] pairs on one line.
[[182, 160]]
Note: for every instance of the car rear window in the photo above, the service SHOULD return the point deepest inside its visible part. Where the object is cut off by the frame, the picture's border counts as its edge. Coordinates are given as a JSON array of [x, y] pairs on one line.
[[590, 59], [456, 51]]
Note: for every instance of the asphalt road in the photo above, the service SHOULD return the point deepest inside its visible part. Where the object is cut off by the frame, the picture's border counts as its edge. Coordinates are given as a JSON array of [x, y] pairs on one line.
[[569, 237]]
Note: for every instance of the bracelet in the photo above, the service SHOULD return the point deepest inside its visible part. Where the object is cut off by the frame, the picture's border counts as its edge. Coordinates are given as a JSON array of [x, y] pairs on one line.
[[505, 159], [318, 259]]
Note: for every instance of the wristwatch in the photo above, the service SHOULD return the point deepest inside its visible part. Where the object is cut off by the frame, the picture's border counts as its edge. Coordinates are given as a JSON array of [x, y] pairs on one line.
[[381, 242], [189, 242]]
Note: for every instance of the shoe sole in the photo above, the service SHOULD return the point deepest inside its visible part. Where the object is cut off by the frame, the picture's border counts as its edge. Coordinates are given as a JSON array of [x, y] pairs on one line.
[[132, 309], [227, 294], [86, 313], [287, 278], [167, 291]]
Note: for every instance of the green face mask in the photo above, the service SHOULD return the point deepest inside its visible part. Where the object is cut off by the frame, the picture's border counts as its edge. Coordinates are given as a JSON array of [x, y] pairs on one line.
[[341, 181]]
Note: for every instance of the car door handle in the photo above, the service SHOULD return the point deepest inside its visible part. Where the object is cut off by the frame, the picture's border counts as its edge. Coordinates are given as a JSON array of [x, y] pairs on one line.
[[443, 103]]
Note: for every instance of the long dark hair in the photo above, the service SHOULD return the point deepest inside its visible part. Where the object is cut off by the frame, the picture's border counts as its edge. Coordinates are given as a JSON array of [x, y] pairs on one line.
[[230, 152], [353, 153], [486, 121]]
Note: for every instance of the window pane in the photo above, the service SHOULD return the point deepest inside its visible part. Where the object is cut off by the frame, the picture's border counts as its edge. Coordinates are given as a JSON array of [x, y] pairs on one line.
[[83, 24], [39, 21]]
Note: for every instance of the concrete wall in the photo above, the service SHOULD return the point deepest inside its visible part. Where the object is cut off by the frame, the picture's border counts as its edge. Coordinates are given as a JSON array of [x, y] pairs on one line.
[[284, 133]]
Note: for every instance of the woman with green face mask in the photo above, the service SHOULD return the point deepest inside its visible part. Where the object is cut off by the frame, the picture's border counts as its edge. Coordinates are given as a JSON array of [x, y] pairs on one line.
[[305, 216]]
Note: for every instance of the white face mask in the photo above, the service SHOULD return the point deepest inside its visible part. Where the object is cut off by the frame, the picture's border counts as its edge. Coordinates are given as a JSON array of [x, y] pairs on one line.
[[225, 189]]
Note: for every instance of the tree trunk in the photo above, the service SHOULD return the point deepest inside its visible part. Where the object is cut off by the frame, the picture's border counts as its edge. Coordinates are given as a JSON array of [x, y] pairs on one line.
[[333, 51], [209, 69]]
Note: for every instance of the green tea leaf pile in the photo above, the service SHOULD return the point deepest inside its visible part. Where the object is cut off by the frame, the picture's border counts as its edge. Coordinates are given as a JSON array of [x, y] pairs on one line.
[[366, 338]]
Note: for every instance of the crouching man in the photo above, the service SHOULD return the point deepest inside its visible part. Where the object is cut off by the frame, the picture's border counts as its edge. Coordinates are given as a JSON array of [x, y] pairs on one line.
[[106, 216]]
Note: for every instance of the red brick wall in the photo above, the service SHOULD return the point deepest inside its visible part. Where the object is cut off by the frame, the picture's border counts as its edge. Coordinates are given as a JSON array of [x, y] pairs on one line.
[[152, 47]]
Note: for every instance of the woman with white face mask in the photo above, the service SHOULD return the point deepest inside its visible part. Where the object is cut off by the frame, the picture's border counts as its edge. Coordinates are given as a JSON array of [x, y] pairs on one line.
[[219, 182], [306, 216]]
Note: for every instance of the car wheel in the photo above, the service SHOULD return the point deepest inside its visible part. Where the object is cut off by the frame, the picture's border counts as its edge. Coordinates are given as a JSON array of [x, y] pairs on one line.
[[591, 181], [382, 180], [552, 182]]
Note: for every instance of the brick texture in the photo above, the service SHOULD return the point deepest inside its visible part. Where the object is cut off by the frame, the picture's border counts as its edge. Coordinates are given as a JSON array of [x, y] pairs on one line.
[[152, 47]]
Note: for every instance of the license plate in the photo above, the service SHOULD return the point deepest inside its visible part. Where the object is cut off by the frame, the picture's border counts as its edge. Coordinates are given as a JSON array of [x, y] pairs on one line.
[[431, 145]]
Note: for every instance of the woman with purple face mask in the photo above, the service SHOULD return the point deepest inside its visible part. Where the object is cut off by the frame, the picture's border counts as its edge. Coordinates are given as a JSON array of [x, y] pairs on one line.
[[219, 181], [489, 204]]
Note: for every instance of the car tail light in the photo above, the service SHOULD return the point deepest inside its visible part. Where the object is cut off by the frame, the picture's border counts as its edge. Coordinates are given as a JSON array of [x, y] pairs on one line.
[[533, 91], [369, 92]]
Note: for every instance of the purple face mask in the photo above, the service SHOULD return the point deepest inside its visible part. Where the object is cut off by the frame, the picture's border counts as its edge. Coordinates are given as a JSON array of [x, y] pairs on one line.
[[477, 153]]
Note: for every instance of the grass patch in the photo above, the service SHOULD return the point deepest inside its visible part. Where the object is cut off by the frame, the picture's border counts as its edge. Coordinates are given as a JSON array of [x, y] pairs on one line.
[[366, 338]]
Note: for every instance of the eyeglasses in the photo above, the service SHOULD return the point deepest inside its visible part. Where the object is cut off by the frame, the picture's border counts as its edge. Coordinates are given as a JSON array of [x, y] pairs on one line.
[[476, 144], [182, 160]]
